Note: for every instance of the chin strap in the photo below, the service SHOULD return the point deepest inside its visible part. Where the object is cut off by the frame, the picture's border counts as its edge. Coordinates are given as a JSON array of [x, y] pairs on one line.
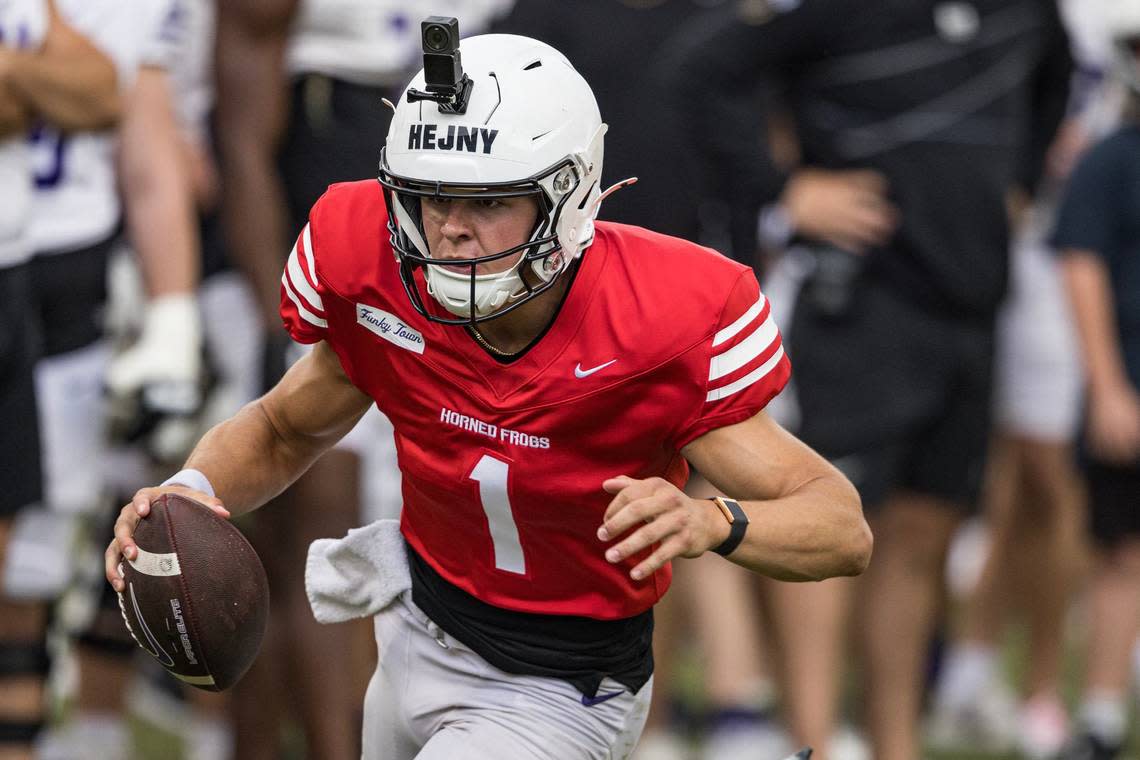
[[611, 190]]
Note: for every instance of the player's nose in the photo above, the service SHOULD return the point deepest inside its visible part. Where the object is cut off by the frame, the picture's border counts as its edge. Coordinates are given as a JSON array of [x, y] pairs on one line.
[[457, 220]]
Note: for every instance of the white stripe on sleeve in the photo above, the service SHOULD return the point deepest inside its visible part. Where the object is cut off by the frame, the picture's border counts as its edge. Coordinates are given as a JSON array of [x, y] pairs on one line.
[[730, 332], [303, 288], [306, 315], [745, 351], [757, 374], [310, 258]]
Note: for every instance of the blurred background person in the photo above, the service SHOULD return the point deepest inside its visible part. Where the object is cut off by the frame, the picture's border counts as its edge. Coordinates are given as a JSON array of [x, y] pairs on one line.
[[1098, 235], [909, 118], [1034, 502]]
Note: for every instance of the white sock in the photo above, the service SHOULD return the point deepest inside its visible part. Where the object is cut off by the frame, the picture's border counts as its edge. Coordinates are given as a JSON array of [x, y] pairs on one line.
[[1104, 715], [968, 668], [208, 739], [96, 733], [72, 413]]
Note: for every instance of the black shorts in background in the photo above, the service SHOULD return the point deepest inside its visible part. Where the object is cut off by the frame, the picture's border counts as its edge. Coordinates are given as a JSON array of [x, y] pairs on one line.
[[1114, 502], [70, 293], [897, 396], [19, 426], [335, 132]]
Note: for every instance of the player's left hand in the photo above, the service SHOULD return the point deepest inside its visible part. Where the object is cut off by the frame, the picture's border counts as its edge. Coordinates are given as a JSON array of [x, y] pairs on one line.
[[657, 512]]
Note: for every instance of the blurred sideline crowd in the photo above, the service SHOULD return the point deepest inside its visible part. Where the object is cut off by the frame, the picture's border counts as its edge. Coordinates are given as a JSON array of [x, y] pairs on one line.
[[157, 156]]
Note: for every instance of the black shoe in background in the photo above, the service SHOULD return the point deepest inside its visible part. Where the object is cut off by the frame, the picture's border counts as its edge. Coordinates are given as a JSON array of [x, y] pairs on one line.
[[1088, 747]]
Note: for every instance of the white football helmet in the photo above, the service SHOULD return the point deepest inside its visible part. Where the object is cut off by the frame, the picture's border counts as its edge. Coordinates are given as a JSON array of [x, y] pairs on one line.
[[1122, 20], [531, 127]]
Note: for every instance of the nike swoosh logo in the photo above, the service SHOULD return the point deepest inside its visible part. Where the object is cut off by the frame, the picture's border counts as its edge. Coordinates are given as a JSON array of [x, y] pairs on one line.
[[156, 649], [580, 373], [591, 701]]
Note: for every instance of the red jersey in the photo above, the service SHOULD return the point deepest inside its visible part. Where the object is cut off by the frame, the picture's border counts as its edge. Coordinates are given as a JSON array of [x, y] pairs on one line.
[[657, 342]]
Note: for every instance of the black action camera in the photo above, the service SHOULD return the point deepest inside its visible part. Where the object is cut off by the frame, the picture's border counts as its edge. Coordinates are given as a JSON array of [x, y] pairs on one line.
[[443, 66]]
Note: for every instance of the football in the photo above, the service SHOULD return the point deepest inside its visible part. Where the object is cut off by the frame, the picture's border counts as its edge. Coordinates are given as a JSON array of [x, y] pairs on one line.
[[196, 596]]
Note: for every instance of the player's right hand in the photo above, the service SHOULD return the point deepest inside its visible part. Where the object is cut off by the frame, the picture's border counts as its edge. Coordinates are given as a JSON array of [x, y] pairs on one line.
[[123, 544], [848, 209]]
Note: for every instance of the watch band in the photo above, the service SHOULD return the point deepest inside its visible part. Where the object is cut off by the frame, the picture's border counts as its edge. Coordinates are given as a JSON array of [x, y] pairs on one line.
[[738, 523]]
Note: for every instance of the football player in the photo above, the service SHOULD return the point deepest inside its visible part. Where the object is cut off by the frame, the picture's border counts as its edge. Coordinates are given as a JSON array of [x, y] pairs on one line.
[[549, 380]]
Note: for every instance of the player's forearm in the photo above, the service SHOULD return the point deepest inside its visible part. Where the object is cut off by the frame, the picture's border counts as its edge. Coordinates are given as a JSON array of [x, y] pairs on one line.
[[256, 454], [76, 90], [252, 90], [156, 189], [253, 214], [817, 531], [248, 460], [1086, 279]]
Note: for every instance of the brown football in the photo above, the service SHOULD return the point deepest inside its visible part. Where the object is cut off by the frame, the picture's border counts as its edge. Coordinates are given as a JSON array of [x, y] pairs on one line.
[[196, 596]]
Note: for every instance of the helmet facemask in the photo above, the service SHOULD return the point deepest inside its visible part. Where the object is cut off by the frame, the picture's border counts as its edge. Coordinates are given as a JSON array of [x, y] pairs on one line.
[[469, 296]]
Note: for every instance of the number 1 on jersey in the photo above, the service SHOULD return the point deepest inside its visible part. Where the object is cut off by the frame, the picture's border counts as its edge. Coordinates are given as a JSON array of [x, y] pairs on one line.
[[491, 475]]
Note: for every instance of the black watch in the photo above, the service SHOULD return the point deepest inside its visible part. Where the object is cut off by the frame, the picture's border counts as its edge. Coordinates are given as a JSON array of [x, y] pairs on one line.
[[738, 523]]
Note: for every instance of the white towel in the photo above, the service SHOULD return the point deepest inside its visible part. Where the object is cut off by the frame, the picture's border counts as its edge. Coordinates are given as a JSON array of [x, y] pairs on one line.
[[358, 575]]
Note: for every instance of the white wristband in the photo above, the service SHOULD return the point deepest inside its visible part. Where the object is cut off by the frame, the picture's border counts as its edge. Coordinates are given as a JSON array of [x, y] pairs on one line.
[[191, 479]]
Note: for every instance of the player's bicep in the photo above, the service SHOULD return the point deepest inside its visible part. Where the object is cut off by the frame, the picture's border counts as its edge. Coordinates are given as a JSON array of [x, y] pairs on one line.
[[315, 404], [755, 459]]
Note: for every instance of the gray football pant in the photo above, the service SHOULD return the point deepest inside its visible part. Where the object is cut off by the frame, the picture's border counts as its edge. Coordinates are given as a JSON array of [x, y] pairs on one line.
[[432, 698]]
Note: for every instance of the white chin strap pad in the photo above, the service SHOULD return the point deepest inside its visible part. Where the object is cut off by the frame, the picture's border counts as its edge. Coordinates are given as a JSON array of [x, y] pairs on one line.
[[492, 291]]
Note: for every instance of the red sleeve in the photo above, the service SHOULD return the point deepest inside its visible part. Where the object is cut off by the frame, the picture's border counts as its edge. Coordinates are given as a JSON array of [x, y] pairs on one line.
[[743, 363], [302, 305]]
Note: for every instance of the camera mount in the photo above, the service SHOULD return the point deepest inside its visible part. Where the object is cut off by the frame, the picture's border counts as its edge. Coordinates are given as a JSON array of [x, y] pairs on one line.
[[447, 85]]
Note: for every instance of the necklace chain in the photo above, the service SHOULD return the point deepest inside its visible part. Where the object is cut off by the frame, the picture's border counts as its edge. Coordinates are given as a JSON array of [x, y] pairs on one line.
[[487, 344]]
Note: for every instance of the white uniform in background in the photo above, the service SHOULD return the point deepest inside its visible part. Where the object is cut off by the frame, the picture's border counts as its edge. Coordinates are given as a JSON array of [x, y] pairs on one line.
[[1038, 372], [23, 24], [77, 203], [184, 46], [76, 206], [375, 42], [1101, 105]]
